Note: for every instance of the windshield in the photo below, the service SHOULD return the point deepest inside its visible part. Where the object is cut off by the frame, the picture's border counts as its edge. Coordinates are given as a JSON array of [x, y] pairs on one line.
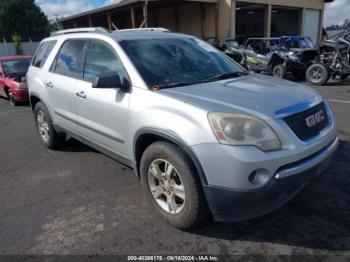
[[17, 67], [163, 62]]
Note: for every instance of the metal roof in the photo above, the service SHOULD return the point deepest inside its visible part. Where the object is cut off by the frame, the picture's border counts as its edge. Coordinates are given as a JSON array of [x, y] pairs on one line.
[[122, 3], [104, 8]]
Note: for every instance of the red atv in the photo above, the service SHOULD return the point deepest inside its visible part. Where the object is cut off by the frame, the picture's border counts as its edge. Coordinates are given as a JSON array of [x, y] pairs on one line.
[[13, 84]]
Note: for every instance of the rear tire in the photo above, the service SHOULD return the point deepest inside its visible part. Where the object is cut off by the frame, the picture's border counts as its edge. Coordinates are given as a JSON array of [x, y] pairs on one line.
[[318, 74], [279, 71], [175, 195], [47, 133]]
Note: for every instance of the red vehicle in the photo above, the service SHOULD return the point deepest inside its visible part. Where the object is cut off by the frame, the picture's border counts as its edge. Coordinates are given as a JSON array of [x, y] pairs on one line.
[[13, 84]]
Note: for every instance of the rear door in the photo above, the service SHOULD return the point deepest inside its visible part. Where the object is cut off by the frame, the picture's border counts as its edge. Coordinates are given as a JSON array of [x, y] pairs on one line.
[[102, 112], [61, 83]]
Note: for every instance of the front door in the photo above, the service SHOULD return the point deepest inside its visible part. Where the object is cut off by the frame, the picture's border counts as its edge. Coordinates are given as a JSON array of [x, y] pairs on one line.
[[102, 112]]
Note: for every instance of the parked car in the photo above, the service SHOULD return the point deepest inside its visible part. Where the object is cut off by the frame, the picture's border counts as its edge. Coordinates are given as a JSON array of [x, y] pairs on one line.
[[204, 136], [13, 85], [335, 60], [280, 56]]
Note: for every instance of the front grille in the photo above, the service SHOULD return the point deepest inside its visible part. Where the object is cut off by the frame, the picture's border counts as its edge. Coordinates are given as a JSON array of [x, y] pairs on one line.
[[298, 124]]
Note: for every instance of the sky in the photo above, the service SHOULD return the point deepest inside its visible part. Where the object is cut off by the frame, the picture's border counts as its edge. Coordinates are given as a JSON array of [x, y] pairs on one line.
[[335, 12], [53, 8]]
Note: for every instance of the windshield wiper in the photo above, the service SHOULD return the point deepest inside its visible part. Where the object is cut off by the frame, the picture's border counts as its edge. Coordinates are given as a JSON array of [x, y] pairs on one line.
[[216, 77], [170, 85], [228, 75]]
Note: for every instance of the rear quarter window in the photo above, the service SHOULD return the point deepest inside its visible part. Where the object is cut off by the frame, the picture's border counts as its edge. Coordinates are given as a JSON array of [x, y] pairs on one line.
[[43, 53]]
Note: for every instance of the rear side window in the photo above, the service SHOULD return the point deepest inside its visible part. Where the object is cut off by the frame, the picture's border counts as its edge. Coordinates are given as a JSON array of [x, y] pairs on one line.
[[43, 53], [68, 60]]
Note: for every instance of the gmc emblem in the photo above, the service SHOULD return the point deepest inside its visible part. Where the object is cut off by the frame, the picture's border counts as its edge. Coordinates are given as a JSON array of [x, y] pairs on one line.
[[315, 119]]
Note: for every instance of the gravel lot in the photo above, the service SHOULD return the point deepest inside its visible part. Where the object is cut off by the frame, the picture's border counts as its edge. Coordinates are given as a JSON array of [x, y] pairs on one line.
[[78, 201]]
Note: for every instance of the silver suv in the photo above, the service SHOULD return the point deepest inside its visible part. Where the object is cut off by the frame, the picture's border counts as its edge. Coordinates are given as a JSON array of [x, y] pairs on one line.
[[205, 137]]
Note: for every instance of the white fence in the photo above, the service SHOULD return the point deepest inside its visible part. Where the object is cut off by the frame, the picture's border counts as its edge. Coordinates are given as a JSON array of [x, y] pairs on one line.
[[8, 48]]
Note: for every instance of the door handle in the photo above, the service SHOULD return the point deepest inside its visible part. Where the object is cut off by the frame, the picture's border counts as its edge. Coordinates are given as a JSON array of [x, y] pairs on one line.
[[81, 94], [49, 84]]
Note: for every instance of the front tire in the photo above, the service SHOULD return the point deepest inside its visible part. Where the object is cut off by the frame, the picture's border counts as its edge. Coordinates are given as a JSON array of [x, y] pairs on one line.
[[47, 133], [318, 74], [11, 99], [172, 185]]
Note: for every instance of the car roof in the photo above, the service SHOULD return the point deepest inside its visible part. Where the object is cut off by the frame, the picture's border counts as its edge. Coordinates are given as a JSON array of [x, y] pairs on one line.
[[14, 57], [138, 35]]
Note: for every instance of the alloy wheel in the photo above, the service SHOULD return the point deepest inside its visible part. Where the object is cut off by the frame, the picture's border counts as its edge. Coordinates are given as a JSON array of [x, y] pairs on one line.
[[43, 126], [166, 186], [316, 74]]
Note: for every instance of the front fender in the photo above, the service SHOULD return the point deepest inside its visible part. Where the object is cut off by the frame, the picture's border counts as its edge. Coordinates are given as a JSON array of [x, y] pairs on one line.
[[173, 138]]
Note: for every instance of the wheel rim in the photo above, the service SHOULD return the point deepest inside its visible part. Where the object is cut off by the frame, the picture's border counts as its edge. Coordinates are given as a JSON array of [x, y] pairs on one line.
[[166, 186], [278, 72], [316, 74], [43, 126]]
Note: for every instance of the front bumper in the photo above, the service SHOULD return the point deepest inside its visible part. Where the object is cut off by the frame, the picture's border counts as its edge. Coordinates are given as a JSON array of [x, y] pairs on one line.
[[229, 205], [20, 94]]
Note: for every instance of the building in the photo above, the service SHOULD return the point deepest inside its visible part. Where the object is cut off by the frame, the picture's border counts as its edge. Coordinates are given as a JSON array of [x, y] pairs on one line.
[[238, 19]]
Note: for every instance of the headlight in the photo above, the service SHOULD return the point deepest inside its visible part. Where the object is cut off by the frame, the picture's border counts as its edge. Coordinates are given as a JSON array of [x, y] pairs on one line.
[[235, 129]]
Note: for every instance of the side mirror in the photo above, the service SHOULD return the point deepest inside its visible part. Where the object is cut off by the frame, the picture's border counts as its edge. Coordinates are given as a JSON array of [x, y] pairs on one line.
[[111, 80]]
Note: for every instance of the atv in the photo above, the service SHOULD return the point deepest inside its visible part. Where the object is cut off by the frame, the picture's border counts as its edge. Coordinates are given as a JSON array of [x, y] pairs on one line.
[[335, 60], [232, 49], [280, 55]]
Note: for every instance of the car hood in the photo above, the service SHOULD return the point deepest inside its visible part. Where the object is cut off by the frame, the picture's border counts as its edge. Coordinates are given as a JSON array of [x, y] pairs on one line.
[[259, 95]]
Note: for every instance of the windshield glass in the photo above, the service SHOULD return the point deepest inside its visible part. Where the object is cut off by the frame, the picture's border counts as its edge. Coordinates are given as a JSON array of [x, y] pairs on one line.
[[17, 67], [163, 62]]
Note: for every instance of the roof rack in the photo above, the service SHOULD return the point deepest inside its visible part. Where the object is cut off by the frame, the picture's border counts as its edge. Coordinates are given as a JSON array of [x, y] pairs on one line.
[[156, 29], [80, 30]]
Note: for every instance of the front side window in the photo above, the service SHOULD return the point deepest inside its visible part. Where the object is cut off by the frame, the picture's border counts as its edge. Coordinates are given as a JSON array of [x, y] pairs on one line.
[[102, 59], [16, 67], [177, 60], [43, 53], [68, 61]]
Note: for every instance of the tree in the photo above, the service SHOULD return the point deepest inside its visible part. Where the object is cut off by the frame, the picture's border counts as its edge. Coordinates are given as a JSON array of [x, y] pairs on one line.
[[17, 40], [24, 18]]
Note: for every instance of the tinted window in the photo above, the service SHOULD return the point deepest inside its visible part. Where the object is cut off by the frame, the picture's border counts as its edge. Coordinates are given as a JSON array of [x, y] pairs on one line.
[[101, 59], [179, 60], [43, 53], [69, 58]]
